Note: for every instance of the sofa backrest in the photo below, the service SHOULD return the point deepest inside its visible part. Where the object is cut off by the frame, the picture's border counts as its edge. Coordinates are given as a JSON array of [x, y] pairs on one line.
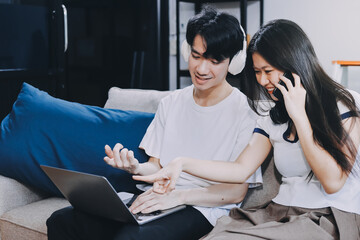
[[134, 99]]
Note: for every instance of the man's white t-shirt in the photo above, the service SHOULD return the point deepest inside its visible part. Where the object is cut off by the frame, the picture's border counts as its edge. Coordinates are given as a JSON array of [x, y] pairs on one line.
[[181, 128]]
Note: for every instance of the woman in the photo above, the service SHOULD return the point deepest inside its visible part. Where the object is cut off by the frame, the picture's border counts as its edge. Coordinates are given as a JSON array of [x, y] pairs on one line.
[[314, 129]]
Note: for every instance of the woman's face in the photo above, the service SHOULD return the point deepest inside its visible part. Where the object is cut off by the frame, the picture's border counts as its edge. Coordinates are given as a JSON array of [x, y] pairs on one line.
[[205, 73], [266, 75]]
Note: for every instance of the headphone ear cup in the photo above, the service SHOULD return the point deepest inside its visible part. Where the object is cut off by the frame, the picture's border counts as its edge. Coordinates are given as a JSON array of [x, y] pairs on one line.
[[185, 50], [237, 64]]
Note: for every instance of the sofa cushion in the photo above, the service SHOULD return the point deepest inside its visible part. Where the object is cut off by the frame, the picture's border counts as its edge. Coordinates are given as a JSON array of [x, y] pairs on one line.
[[14, 194], [135, 99], [45, 130], [29, 221]]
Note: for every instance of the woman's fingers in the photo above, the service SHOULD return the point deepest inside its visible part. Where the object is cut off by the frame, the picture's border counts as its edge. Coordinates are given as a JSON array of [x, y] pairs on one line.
[[151, 178], [297, 80], [288, 83], [281, 88], [161, 182]]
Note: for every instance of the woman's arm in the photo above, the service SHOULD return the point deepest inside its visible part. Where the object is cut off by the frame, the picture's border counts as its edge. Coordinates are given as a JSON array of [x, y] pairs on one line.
[[231, 172], [324, 166], [227, 172]]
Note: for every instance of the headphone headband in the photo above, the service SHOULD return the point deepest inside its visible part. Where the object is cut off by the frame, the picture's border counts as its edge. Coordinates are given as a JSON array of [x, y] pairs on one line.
[[236, 65]]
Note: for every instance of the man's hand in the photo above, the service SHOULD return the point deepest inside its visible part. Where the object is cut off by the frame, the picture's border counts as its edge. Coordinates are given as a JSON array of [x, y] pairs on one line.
[[122, 158], [151, 201]]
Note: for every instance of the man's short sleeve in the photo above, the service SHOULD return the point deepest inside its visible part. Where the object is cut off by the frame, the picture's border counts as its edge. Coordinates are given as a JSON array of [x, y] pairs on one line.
[[153, 138]]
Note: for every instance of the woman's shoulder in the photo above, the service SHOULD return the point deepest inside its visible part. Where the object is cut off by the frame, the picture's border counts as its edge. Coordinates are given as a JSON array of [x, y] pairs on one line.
[[343, 108], [264, 122], [356, 97]]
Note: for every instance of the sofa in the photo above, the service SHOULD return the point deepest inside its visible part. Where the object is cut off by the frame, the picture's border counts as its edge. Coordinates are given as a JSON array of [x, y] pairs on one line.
[[24, 209]]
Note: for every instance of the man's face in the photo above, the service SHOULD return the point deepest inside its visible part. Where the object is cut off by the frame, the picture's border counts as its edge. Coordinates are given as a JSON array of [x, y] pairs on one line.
[[205, 73]]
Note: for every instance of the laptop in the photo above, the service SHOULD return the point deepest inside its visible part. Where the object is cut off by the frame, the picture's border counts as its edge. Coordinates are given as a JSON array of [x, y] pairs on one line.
[[95, 195]]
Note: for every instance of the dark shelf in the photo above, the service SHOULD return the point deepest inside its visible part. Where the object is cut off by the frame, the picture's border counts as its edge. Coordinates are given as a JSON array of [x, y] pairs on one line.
[[184, 73]]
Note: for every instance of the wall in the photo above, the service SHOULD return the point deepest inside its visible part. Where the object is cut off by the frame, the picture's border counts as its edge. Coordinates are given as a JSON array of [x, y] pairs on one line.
[[332, 26]]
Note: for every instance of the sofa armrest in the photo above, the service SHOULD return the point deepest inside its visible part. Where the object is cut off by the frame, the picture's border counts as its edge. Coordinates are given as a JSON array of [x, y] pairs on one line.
[[14, 194]]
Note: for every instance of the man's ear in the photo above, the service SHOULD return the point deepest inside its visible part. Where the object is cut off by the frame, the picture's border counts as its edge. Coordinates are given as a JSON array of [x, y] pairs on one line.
[[185, 50], [237, 63]]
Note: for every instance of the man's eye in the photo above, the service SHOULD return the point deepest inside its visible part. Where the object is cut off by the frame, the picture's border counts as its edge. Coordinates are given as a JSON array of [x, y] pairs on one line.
[[215, 62], [195, 56]]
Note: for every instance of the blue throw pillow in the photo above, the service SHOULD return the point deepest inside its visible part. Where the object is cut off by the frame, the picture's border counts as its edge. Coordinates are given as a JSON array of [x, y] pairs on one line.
[[43, 130]]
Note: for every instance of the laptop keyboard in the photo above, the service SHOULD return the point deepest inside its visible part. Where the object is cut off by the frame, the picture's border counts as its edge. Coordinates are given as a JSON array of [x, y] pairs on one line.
[[139, 216]]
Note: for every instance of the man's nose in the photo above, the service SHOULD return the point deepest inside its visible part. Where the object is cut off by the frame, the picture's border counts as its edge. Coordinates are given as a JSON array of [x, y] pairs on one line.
[[203, 67]]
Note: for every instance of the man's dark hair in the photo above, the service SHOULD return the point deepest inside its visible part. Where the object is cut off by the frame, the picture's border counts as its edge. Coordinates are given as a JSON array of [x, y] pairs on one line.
[[221, 33]]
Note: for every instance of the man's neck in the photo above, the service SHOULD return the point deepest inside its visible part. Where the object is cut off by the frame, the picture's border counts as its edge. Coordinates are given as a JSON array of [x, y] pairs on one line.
[[212, 96]]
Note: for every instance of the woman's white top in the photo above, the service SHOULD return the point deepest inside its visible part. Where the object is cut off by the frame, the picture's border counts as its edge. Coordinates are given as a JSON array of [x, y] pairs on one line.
[[181, 128], [296, 189]]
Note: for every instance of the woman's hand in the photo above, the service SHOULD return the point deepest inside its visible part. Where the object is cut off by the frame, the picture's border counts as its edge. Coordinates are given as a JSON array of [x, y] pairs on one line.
[[165, 179], [121, 158], [294, 97]]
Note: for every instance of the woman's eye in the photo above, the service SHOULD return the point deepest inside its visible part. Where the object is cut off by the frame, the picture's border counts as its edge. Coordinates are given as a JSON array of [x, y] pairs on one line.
[[215, 62], [268, 71], [257, 72]]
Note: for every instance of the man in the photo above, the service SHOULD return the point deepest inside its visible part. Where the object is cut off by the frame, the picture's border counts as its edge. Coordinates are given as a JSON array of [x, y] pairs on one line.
[[207, 120]]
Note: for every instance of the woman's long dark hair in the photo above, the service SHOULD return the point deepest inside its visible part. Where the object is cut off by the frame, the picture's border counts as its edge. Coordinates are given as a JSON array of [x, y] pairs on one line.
[[285, 46]]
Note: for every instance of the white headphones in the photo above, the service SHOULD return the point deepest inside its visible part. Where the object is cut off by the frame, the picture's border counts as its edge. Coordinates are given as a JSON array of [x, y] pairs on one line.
[[236, 65]]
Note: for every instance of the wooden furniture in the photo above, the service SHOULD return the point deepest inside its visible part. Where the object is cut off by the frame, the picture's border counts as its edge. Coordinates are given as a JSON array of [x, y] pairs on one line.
[[340, 70]]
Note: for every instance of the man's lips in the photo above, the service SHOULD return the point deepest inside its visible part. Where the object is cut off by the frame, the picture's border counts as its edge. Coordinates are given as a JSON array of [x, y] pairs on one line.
[[202, 78]]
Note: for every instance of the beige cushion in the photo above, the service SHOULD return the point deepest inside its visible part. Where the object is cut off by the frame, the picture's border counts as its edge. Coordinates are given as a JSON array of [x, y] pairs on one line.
[[29, 222], [134, 99], [14, 194]]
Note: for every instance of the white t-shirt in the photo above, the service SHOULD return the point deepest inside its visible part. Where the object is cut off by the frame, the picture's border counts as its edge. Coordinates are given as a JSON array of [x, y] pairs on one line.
[[181, 128], [296, 189]]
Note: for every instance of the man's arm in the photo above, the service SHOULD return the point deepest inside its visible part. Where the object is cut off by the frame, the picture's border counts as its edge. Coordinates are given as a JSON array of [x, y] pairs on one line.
[[212, 196], [149, 167], [215, 195]]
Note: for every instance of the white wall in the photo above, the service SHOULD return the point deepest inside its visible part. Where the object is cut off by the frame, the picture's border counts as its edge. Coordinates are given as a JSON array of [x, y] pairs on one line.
[[333, 26]]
